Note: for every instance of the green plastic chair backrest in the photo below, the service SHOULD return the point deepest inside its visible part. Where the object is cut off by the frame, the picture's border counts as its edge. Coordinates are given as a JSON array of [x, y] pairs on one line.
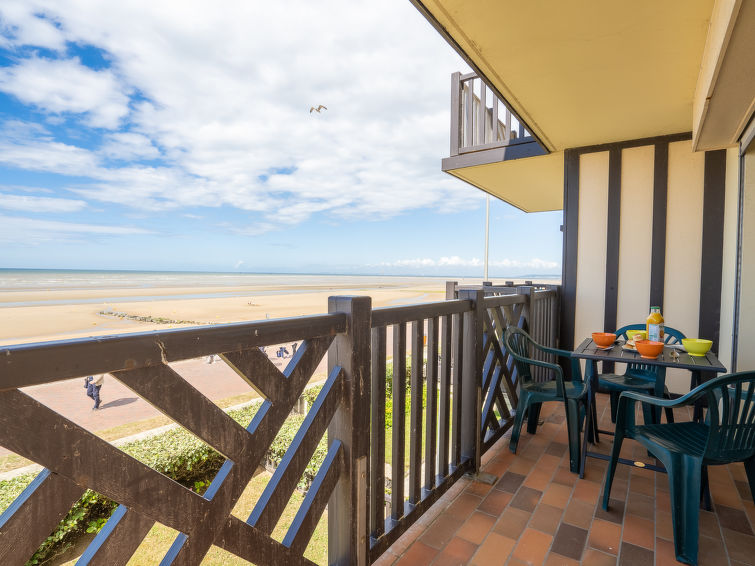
[[671, 336], [730, 417], [519, 345]]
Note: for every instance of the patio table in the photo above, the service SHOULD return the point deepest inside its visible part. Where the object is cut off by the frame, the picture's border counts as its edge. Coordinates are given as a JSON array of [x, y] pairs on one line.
[[593, 354]]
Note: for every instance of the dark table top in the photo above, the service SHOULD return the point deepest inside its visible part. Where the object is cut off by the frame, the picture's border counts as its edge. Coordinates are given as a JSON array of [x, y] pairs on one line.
[[588, 350]]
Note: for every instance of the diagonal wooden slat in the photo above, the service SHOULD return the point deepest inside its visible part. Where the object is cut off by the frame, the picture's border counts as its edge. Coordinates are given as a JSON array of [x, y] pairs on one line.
[[305, 522], [258, 371], [229, 484], [243, 540], [278, 490], [176, 398], [34, 514], [38, 433], [117, 540]]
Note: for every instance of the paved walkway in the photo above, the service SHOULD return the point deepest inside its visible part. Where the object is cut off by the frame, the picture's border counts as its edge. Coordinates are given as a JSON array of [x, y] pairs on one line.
[[120, 405]]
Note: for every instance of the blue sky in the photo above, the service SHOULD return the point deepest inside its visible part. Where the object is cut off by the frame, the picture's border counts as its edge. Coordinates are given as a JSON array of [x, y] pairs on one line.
[[175, 136]]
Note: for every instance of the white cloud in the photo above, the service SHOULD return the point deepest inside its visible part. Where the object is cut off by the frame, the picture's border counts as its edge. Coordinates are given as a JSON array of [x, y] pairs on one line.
[[220, 106], [456, 261], [67, 86], [29, 203], [18, 230]]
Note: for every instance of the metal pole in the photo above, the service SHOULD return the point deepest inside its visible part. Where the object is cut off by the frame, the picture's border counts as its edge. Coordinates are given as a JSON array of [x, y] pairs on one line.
[[487, 233]]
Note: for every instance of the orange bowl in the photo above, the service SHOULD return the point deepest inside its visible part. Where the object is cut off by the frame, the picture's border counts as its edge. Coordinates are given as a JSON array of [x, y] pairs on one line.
[[649, 349], [603, 339]]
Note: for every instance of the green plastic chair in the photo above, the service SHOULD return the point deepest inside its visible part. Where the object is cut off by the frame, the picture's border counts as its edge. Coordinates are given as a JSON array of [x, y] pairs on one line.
[[638, 377], [532, 394], [726, 435]]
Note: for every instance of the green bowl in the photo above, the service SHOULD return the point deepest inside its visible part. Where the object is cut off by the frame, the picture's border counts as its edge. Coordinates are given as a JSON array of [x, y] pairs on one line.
[[696, 346]]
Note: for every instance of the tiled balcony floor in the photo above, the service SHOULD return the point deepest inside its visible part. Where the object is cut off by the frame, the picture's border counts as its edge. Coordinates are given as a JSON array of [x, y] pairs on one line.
[[538, 512]]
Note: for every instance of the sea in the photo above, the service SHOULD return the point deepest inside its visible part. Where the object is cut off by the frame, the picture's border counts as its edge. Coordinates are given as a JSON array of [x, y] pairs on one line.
[[205, 284]]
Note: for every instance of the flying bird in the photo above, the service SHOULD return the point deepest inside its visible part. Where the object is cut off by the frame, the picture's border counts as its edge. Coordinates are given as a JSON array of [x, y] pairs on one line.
[[321, 107]]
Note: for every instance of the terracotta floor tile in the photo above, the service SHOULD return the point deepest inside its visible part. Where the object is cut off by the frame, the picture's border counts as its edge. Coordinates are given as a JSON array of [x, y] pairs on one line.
[[710, 551], [664, 553], [539, 478], [569, 541], [631, 555], [639, 531], [554, 559], [512, 523], [662, 500], [615, 511], [741, 547], [476, 528], [556, 449], [533, 546], [605, 536], [463, 506], [495, 502], [521, 466], [594, 557], [557, 495], [457, 552], [418, 554], [642, 484], [478, 488], [579, 513], [709, 526], [663, 526], [587, 491], [495, 550], [565, 477], [744, 489], [385, 559], [734, 519], [641, 505], [526, 499], [546, 518], [725, 496], [510, 482], [441, 530]]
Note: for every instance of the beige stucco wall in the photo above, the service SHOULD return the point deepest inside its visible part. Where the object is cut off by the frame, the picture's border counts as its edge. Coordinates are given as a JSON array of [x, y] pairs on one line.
[[636, 234], [591, 255], [745, 350]]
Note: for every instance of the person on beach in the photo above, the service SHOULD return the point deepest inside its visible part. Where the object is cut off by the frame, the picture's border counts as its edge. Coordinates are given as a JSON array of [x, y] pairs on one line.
[[93, 385]]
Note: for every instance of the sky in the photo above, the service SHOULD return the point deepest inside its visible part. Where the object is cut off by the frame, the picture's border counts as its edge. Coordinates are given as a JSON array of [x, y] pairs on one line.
[[178, 136]]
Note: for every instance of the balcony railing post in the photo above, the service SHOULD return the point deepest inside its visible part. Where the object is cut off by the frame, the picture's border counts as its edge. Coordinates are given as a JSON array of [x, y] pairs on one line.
[[455, 112], [451, 290], [348, 516], [471, 394]]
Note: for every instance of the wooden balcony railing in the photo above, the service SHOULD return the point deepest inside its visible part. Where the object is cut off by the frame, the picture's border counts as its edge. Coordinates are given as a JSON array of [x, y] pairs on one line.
[[479, 119], [455, 360]]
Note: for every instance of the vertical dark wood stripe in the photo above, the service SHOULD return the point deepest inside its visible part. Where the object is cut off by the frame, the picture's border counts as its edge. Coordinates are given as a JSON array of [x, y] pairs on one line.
[[713, 242], [613, 235], [660, 207], [571, 231]]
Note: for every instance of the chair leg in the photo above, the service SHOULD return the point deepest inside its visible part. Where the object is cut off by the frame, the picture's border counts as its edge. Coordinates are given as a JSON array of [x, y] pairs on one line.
[[618, 440], [521, 408], [572, 426], [614, 395], [533, 417], [684, 474], [750, 471]]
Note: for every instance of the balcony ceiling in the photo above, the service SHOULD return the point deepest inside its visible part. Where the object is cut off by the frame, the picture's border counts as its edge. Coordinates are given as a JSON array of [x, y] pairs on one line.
[[584, 73]]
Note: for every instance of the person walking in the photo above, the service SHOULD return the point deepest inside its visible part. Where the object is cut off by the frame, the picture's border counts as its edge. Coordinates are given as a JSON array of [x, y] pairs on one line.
[[93, 385]]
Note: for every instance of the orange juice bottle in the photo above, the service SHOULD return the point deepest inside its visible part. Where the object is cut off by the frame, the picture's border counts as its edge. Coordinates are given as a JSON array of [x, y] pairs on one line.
[[654, 324]]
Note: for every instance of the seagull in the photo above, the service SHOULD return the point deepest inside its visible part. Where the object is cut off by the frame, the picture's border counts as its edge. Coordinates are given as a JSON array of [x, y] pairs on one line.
[[321, 107]]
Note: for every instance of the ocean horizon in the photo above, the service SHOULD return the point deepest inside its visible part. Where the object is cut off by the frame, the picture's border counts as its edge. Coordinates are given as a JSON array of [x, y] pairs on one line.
[[36, 279]]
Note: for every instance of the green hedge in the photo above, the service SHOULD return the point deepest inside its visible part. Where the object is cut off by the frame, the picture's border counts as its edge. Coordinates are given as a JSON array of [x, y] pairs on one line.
[[184, 458], [176, 453]]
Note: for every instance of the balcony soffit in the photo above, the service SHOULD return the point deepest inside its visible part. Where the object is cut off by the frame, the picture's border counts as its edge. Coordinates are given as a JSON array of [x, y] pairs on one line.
[[589, 72]]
